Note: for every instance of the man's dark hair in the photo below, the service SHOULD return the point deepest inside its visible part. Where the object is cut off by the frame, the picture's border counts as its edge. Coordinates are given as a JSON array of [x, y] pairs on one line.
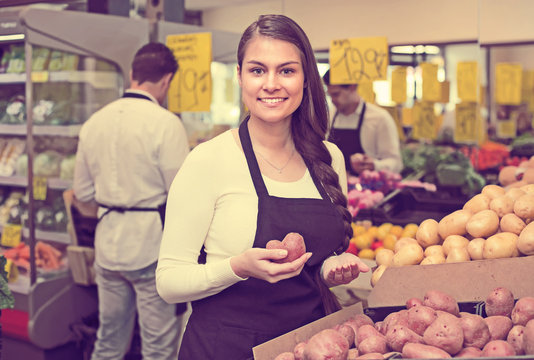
[[152, 61], [326, 80]]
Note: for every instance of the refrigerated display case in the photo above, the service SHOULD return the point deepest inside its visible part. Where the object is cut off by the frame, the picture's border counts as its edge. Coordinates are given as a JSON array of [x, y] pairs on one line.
[[54, 74]]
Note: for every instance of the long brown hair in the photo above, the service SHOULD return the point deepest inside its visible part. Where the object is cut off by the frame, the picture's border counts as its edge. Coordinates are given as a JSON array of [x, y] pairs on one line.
[[309, 123]]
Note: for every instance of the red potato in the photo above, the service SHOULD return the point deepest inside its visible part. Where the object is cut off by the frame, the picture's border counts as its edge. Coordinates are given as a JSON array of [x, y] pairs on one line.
[[420, 318], [298, 350], [412, 302], [396, 318], [285, 356], [469, 352], [476, 331], [326, 344], [528, 338], [348, 332], [379, 325], [523, 311], [515, 338], [364, 332], [498, 348], [358, 320], [353, 354], [499, 326], [439, 300], [422, 351], [293, 243], [373, 344], [499, 302], [400, 335], [445, 333]]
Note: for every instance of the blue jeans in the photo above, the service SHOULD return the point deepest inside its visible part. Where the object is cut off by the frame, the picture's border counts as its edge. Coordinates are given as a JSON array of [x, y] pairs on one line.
[[120, 295]]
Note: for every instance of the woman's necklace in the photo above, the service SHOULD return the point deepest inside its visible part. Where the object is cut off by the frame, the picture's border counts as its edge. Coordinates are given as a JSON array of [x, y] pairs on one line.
[[279, 169]]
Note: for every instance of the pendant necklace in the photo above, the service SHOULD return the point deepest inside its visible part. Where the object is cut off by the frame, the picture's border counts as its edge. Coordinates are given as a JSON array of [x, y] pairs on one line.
[[279, 169]]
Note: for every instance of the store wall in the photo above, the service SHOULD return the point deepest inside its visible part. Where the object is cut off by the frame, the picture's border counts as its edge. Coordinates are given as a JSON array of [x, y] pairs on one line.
[[401, 21]]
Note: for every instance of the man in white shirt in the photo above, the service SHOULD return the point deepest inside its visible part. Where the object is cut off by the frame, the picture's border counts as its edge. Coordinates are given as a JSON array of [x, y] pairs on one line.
[[365, 133], [128, 155]]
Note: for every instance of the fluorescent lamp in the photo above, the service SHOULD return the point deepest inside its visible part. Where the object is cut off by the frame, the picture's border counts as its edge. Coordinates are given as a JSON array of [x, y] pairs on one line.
[[12, 37]]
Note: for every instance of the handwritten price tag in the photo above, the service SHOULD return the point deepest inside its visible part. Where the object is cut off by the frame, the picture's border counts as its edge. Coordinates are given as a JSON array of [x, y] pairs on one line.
[[398, 85], [11, 235], [467, 81], [40, 186], [508, 83], [365, 90], [466, 125], [431, 85], [190, 89], [357, 60], [424, 121]]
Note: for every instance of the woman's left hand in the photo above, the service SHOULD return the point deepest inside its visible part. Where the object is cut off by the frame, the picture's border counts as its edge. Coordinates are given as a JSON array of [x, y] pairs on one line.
[[342, 269]]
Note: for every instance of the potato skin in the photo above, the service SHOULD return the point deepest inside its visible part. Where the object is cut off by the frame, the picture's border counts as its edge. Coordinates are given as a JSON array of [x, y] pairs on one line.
[[454, 223], [502, 205], [475, 248], [528, 338], [525, 242], [408, 254], [483, 224], [420, 317], [515, 338], [524, 206], [327, 342], [512, 223], [500, 245], [475, 329], [499, 302], [523, 311], [285, 356], [469, 352], [453, 241], [497, 348], [493, 191], [399, 335], [438, 300], [373, 344], [477, 203], [427, 233], [422, 351], [445, 333], [499, 326]]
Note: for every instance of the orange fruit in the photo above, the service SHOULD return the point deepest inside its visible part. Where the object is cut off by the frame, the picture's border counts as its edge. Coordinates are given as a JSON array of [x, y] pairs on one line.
[[372, 231], [383, 230], [366, 254], [358, 229], [396, 230], [410, 230], [389, 241], [363, 241]]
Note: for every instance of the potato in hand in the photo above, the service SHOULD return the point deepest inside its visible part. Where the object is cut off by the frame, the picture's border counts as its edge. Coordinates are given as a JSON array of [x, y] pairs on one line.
[[293, 243]]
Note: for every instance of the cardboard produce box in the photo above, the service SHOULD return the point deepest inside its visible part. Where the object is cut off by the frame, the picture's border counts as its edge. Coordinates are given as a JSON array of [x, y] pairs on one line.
[[270, 349]]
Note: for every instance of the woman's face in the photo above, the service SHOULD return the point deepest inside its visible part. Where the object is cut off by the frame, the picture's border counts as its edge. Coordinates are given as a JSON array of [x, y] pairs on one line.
[[271, 79]]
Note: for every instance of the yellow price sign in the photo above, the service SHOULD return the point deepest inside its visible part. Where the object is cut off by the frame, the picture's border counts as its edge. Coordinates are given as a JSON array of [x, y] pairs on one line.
[[365, 90], [508, 83], [40, 187], [190, 89], [431, 85], [407, 116], [467, 81], [357, 60], [398, 85], [424, 121], [11, 270], [527, 89], [466, 125], [11, 235], [40, 76]]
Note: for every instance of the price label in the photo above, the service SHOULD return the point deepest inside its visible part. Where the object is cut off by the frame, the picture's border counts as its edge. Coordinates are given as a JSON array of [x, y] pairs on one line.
[[445, 90], [424, 121], [398, 85], [431, 85], [527, 91], [11, 270], [466, 125], [467, 80], [190, 89], [40, 76], [407, 116], [11, 235], [40, 186], [357, 60], [508, 83], [365, 90]]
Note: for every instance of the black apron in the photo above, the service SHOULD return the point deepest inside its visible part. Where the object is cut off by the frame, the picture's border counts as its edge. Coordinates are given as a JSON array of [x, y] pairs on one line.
[[229, 324], [348, 140]]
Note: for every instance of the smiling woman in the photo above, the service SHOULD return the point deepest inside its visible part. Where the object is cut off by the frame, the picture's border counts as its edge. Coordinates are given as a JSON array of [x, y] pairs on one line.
[[273, 176]]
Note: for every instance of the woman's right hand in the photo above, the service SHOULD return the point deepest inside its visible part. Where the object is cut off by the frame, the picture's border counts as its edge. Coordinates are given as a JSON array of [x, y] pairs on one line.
[[259, 263]]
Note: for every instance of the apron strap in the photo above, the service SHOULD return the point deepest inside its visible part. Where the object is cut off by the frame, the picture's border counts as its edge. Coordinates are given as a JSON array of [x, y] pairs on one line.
[[253, 166]]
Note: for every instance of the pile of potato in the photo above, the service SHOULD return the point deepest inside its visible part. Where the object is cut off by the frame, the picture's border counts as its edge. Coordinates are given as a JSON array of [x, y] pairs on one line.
[[497, 223], [429, 328]]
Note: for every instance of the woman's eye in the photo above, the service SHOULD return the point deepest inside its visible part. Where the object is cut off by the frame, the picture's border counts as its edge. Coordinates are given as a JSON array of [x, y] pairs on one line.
[[257, 71], [287, 71]]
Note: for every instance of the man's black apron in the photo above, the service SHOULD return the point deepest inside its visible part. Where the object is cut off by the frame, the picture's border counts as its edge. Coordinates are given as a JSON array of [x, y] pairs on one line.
[[229, 324], [348, 140], [160, 209]]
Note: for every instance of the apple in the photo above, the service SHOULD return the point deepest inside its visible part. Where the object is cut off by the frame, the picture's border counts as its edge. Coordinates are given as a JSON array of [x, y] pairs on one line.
[[293, 243]]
